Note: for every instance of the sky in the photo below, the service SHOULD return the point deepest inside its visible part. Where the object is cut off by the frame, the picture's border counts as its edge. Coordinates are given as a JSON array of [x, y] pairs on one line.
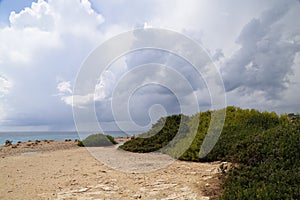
[[255, 45]]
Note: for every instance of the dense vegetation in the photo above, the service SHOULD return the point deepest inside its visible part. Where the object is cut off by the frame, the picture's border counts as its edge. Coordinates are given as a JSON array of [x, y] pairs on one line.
[[158, 137], [269, 166], [265, 146], [97, 140]]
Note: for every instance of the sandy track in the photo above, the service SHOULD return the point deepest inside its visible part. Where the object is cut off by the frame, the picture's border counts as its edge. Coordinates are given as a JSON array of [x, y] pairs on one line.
[[75, 174]]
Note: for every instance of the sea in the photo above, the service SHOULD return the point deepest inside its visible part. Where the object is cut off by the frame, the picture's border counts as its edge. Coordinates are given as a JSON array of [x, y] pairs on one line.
[[58, 135]]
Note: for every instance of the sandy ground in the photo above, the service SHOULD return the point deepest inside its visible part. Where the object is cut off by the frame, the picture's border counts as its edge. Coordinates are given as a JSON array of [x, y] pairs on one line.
[[61, 170]]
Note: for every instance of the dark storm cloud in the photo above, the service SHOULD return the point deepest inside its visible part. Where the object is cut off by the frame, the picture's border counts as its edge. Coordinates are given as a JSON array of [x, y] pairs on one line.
[[267, 52]]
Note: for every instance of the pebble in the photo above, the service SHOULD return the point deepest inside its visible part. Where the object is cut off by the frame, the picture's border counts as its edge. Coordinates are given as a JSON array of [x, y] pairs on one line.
[[137, 196]]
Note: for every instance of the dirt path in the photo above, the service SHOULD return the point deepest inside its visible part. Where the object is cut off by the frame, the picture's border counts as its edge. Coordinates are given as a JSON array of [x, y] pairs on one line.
[[76, 174]]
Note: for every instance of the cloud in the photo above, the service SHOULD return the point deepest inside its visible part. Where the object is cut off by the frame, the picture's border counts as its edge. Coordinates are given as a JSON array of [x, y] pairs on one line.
[[39, 44], [43, 46], [103, 91], [47, 25], [64, 87], [104, 88], [5, 86], [38, 16], [266, 53], [54, 14], [259, 45]]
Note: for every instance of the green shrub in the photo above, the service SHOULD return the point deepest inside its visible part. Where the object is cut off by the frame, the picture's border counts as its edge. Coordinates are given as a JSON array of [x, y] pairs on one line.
[[269, 166], [80, 143], [111, 139], [97, 140], [166, 129]]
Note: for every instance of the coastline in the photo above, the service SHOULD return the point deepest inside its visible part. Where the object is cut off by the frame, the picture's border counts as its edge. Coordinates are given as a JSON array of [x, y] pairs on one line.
[[44, 146], [62, 170], [23, 136], [37, 146]]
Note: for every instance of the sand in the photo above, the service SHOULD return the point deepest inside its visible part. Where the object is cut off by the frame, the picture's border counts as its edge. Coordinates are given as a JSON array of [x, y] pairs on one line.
[[61, 170]]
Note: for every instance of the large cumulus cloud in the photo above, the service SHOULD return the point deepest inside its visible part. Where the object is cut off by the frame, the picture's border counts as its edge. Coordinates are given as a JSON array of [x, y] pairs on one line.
[[268, 45], [42, 46]]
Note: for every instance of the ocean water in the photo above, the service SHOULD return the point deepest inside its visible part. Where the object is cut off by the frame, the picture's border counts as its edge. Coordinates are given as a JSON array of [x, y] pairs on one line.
[[25, 136]]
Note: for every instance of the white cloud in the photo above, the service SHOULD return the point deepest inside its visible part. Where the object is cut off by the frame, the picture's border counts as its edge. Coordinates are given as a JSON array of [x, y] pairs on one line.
[[78, 101], [64, 87], [5, 86], [67, 15], [47, 40], [47, 25], [104, 88], [103, 91], [40, 16]]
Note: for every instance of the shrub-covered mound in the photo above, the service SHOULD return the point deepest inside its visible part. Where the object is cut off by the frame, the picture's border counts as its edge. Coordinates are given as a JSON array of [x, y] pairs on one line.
[[97, 140], [265, 146], [239, 124], [159, 136]]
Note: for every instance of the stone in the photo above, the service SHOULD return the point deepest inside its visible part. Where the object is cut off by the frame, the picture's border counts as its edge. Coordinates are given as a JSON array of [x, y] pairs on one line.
[[137, 196]]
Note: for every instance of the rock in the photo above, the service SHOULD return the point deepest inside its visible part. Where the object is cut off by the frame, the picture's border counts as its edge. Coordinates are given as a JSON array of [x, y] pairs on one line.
[[207, 185], [207, 177], [107, 188], [204, 198], [137, 196], [82, 190]]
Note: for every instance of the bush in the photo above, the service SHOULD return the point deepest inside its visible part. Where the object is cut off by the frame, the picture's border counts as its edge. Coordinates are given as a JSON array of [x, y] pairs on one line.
[[158, 137], [269, 166], [97, 140], [111, 139], [8, 142], [80, 143]]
